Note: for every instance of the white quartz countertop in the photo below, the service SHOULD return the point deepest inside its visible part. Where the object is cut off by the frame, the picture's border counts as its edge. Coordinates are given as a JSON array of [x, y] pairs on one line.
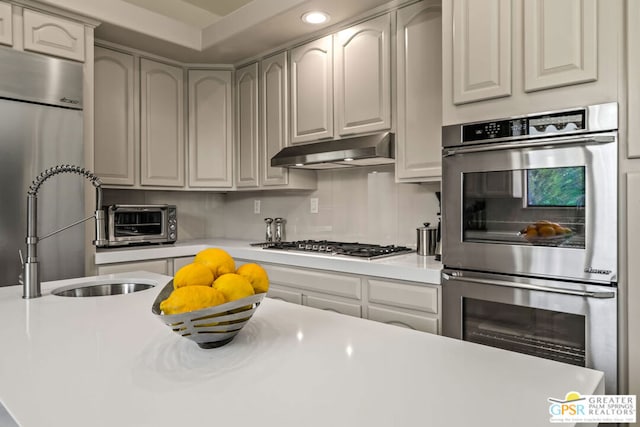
[[412, 266], [107, 361]]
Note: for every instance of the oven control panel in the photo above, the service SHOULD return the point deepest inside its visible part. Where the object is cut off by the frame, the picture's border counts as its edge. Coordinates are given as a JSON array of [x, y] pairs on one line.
[[543, 124]]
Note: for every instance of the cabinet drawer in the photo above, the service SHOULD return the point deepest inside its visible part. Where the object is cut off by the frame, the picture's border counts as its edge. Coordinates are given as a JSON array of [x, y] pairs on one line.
[[284, 295], [341, 307], [6, 31], [423, 323], [329, 283], [178, 263], [53, 35], [424, 298], [159, 267]]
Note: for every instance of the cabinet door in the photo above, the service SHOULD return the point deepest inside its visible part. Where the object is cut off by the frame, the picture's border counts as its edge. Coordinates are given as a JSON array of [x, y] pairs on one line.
[[247, 126], [6, 30], [161, 124], [312, 91], [481, 49], [329, 304], [274, 111], [633, 273], [560, 43], [210, 131], [633, 82], [362, 77], [53, 36], [419, 77], [114, 137]]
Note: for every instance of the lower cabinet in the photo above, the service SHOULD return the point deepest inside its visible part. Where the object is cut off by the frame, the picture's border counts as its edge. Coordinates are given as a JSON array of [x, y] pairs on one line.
[[395, 302], [400, 303]]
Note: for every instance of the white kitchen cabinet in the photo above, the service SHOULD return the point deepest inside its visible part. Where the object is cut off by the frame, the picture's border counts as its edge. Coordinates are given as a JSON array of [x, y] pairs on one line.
[[247, 173], [633, 79], [6, 24], [157, 266], [412, 305], [312, 91], [210, 159], [274, 127], [161, 124], [114, 116], [331, 291], [481, 49], [503, 58], [274, 117], [362, 77], [53, 35], [419, 94], [632, 274], [560, 43]]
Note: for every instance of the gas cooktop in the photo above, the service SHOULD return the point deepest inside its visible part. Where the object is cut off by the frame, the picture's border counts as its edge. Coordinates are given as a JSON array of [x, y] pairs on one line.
[[355, 249]]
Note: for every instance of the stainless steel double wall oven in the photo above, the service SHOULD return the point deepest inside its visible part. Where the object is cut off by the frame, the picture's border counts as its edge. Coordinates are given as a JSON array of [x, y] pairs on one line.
[[530, 235]]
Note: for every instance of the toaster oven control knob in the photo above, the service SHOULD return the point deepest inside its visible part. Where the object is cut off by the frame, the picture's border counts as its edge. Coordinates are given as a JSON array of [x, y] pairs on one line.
[[172, 227], [172, 236]]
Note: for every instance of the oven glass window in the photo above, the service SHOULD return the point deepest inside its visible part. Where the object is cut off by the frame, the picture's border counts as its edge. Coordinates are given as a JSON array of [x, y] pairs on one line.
[[544, 333], [148, 223], [540, 207]]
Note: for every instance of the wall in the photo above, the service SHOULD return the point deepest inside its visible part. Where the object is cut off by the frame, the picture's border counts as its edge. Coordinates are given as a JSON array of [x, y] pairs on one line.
[[359, 204]]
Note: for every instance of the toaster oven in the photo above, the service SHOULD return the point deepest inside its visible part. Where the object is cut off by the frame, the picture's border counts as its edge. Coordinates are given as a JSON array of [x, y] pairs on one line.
[[141, 224]]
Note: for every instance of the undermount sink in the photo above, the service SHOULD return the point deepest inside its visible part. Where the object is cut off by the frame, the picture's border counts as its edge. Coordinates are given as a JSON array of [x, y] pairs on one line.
[[101, 289]]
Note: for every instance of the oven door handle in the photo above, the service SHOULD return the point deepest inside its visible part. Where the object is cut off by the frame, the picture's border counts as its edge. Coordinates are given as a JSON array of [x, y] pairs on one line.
[[588, 294], [599, 139]]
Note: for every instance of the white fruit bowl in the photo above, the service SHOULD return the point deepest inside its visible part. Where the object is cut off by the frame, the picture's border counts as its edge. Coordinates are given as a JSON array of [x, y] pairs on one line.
[[209, 327]]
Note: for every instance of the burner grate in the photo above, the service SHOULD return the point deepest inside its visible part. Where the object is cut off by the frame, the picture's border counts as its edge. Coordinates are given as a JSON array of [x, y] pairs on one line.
[[351, 249]]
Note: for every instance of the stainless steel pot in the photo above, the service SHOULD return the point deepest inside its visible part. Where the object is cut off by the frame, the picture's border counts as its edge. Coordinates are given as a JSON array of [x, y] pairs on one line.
[[427, 239]]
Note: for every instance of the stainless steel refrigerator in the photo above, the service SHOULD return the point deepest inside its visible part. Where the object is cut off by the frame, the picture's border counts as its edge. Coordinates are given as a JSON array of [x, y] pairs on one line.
[[40, 127]]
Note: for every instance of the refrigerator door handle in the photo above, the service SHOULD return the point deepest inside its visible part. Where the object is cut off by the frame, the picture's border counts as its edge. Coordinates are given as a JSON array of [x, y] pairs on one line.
[[456, 275]]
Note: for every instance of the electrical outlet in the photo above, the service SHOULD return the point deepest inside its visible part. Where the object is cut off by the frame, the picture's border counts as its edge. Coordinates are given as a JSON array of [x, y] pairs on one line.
[[313, 205], [256, 206]]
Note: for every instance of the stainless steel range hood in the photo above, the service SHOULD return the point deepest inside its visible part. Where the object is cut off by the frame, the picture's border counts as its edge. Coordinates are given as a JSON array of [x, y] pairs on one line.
[[366, 150]]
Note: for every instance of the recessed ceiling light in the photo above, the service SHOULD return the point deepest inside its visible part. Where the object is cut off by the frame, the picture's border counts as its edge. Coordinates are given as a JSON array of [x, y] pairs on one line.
[[315, 17]]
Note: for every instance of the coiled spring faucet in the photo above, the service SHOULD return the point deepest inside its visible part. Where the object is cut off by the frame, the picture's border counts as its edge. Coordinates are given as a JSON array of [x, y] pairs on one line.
[[31, 268]]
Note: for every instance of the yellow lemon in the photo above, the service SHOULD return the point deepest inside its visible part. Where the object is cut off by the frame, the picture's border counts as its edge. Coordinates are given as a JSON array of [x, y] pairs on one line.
[[233, 286], [189, 298], [193, 275], [256, 275], [218, 261]]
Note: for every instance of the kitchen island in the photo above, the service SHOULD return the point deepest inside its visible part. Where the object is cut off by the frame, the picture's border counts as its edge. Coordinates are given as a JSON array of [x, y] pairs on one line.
[[107, 361]]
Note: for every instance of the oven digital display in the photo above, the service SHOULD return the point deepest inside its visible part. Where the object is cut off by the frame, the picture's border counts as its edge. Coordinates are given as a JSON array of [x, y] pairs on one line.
[[564, 122]]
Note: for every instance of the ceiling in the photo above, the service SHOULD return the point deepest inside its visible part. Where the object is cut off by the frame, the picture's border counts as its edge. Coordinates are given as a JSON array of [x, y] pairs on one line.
[[213, 31]]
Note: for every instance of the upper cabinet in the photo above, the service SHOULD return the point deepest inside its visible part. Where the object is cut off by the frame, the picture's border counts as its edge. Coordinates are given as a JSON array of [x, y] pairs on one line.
[[161, 124], [53, 35], [312, 91], [633, 82], [514, 57], [419, 93], [6, 31], [114, 123], [341, 83], [210, 162], [247, 126], [362, 68], [481, 50], [262, 127]]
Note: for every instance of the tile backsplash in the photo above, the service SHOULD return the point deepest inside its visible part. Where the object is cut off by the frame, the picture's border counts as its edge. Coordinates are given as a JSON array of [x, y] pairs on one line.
[[355, 204]]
